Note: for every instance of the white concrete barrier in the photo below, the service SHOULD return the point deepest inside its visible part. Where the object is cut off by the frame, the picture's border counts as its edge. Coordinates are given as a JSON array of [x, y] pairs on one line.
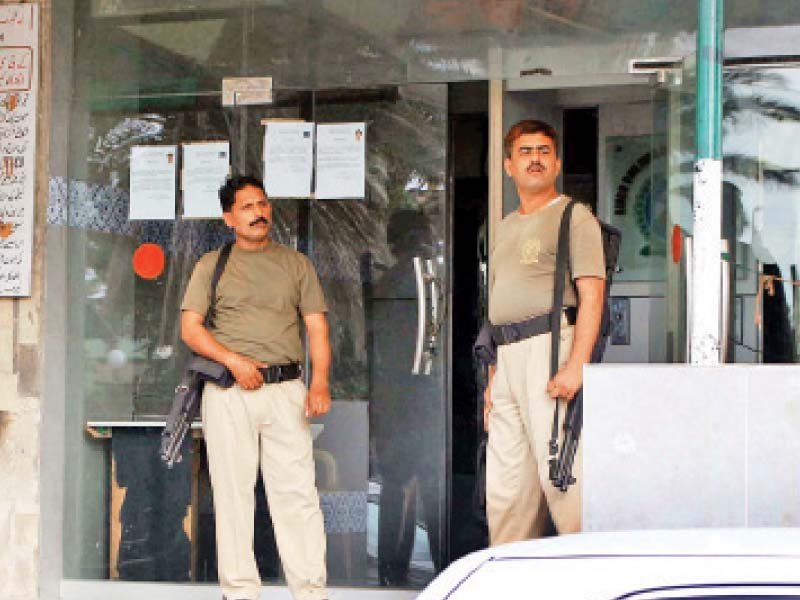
[[667, 446]]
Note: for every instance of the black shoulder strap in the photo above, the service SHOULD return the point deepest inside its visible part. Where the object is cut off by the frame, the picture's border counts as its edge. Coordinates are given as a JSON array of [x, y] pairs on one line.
[[222, 260], [562, 264]]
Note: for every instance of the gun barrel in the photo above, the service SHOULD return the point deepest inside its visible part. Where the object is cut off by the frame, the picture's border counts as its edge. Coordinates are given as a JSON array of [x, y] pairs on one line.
[[569, 460], [561, 471]]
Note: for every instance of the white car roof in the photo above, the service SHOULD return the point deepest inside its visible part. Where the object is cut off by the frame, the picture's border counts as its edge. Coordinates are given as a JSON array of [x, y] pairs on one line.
[[493, 567], [729, 542]]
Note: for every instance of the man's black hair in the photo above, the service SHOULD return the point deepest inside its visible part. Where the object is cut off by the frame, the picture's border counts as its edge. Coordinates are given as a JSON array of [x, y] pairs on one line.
[[234, 183]]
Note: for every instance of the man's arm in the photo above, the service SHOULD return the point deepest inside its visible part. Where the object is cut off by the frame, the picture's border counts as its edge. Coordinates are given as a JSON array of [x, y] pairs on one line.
[[199, 339], [569, 378], [318, 401]]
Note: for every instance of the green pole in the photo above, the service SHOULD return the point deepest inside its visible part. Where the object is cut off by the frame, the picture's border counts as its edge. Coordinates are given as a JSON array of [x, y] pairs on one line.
[[709, 79]]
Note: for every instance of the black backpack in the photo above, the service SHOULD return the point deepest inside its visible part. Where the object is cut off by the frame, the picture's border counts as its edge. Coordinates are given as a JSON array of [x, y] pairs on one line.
[[561, 461]]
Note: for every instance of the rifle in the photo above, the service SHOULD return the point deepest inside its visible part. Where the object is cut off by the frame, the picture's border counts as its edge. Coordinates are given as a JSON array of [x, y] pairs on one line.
[[186, 402], [185, 407], [561, 461]]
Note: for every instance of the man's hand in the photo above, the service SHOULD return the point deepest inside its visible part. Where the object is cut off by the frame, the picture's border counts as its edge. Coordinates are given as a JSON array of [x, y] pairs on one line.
[[567, 382], [318, 401], [199, 339], [245, 371]]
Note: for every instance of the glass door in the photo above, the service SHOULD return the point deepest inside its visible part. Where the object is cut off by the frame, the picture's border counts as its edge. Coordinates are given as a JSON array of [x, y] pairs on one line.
[[384, 266], [759, 251], [676, 121], [761, 121]]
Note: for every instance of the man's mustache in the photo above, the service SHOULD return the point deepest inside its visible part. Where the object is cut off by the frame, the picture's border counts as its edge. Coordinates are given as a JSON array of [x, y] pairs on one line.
[[263, 220], [536, 165]]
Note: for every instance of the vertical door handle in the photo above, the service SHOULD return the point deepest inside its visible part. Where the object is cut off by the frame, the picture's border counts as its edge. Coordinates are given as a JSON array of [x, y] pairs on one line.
[[430, 275], [422, 310], [436, 310], [725, 313]]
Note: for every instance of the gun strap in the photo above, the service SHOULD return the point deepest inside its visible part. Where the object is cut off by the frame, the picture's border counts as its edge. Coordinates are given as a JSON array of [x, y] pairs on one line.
[[222, 260], [562, 264]]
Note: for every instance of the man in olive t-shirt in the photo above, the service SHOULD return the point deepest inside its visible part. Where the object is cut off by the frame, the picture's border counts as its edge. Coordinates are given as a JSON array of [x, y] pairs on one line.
[[520, 397], [264, 291]]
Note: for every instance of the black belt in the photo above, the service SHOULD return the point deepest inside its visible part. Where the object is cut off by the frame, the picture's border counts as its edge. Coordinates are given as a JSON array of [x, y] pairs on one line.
[[279, 373], [522, 330]]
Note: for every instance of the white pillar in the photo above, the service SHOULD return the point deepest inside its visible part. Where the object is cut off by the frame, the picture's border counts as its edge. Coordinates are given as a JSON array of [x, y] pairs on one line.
[[706, 266]]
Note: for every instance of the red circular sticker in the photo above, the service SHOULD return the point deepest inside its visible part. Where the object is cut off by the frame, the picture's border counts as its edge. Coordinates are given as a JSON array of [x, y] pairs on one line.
[[677, 244], [148, 261]]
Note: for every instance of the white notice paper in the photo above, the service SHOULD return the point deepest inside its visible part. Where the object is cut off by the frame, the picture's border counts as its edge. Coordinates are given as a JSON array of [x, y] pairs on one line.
[[152, 182], [288, 159], [341, 160], [19, 83], [205, 167]]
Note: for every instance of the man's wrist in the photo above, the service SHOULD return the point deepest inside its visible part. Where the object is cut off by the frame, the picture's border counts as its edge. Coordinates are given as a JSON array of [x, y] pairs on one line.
[[317, 382], [576, 363], [229, 358]]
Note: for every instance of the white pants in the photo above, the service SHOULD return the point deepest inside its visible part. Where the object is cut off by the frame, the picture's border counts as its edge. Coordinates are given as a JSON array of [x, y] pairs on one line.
[[268, 424], [518, 489]]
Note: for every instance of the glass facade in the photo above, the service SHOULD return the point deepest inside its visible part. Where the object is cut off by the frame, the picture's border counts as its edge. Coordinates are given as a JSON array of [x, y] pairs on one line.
[[760, 216], [150, 73], [380, 442]]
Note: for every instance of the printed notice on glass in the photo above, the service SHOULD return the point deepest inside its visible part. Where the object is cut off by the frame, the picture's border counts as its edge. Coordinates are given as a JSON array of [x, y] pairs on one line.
[[205, 167], [152, 182], [19, 81], [341, 160], [288, 159]]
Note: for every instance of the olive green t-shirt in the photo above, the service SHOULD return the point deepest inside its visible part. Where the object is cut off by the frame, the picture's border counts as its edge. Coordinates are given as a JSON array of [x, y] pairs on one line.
[[260, 298], [523, 260]]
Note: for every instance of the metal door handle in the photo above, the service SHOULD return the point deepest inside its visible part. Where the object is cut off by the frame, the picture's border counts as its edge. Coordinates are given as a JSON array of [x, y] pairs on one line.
[[436, 314], [422, 309], [725, 313], [430, 275]]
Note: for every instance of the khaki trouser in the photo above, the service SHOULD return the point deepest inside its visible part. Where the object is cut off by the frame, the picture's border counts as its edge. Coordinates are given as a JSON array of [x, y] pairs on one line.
[[518, 488], [268, 423]]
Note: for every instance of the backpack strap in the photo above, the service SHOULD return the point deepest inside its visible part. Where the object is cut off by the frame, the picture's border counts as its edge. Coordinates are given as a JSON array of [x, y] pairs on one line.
[[222, 260], [562, 264]]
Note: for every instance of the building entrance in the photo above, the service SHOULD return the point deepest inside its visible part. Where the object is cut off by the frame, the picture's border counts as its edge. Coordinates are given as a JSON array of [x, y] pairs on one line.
[[403, 266], [624, 154]]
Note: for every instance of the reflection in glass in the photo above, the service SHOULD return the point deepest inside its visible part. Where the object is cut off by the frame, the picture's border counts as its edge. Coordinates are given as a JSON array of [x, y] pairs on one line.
[[405, 411], [363, 251], [761, 215]]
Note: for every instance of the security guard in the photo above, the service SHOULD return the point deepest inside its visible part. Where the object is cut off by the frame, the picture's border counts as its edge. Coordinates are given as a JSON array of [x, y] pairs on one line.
[[520, 397], [264, 291]]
